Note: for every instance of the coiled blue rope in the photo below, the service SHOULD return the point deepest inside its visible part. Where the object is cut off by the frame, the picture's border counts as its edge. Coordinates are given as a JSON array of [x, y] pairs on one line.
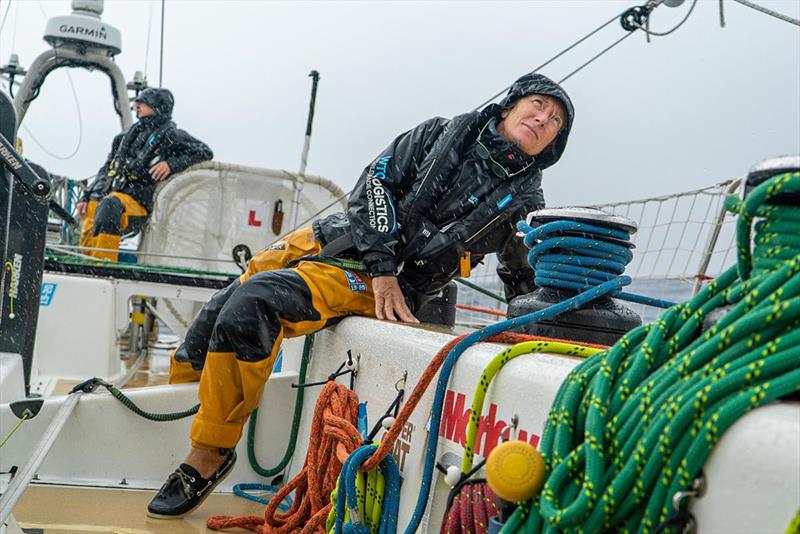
[[346, 496], [580, 262]]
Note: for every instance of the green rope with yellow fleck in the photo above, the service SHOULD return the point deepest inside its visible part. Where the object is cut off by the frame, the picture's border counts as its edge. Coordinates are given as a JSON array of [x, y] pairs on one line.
[[633, 425], [497, 363]]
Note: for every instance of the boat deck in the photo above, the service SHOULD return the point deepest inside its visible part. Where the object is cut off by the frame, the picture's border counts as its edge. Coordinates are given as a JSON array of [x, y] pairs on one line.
[[50, 509], [153, 371], [71, 510]]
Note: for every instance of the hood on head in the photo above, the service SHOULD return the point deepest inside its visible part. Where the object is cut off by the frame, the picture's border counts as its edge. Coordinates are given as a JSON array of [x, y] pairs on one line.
[[161, 100], [539, 84]]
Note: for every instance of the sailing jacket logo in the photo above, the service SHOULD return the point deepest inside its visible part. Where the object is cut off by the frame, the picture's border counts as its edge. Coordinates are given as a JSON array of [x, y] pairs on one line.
[[379, 201]]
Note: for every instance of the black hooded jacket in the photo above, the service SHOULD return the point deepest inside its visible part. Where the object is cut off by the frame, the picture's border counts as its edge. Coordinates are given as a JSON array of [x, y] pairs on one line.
[[148, 141], [444, 188]]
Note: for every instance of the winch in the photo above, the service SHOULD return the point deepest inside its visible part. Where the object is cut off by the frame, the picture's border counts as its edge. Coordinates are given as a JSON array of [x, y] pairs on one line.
[[574, 249]]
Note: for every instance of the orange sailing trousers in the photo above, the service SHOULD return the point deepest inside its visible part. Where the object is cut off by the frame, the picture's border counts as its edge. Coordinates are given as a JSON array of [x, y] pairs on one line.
[[232, 345], [104, 222]]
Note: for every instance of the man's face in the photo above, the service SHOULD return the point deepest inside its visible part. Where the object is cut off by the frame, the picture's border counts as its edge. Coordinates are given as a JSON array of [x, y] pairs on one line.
[[143, 110], [533, 123]]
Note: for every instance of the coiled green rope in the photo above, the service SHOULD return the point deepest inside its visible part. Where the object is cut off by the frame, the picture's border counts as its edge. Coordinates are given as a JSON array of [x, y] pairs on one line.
[[632, 426]]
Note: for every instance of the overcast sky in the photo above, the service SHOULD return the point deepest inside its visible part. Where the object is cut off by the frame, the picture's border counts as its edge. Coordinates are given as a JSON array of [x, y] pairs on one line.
[[696, 107]]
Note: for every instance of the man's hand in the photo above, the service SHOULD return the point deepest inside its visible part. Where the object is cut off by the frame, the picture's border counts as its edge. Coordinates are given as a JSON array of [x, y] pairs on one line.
[[80, 208], [160, 171], [389, 300]]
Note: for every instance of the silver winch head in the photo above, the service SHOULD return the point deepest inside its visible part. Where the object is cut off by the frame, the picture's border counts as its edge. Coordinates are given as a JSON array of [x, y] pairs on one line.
[[84, 29], [764, 170], [586, 215]]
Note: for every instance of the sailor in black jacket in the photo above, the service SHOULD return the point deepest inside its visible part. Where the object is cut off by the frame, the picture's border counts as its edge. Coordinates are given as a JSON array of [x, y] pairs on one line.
[[121, 196], [427, 209], [454, 189]]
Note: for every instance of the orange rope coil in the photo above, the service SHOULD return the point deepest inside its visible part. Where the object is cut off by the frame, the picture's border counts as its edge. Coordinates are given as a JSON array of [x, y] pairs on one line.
[[333, 437]]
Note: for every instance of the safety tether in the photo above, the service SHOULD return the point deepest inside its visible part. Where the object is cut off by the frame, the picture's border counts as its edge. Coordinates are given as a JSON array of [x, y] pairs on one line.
[[631, 427], [93, 383]]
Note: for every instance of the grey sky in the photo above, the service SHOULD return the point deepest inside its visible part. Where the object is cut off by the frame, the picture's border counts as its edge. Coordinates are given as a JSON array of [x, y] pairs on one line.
[[690, 109]]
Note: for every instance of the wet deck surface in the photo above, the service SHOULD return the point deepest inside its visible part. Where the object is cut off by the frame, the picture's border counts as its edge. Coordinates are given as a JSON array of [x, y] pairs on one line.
[[154, 371], [71, 510]]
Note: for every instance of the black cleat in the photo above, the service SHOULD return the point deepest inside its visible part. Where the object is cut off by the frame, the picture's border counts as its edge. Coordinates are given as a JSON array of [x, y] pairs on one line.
[[185, 489]]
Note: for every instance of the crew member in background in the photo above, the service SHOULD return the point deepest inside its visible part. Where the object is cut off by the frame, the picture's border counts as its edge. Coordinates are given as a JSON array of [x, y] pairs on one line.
[[121, 197], [428, 209]]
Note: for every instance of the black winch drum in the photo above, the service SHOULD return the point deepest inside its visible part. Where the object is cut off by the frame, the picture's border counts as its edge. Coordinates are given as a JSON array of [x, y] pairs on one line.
[[602, 321]]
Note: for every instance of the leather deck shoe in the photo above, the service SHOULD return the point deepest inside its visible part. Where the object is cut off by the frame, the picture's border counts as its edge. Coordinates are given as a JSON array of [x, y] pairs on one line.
[[185, 489]]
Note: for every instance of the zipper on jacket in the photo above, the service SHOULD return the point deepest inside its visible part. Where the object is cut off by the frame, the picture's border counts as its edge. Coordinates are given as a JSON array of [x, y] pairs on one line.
[[487, 225], [424, 179], [444, 151]]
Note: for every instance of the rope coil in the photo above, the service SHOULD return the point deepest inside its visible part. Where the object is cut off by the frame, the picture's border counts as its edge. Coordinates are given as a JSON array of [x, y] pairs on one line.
[[351, 496], [631, 427], [578, 256], [333, 437]]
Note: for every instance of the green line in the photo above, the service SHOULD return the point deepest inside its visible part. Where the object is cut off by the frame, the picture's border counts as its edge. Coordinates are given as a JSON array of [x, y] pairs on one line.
[[479, 289], [19, 423], [298, 410]]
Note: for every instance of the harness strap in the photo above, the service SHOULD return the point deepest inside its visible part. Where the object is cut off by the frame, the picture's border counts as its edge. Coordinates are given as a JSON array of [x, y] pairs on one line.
[[341, 263], [338, 245]]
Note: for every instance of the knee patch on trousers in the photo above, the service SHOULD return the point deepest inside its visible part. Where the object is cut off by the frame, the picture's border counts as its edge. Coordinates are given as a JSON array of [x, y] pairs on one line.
[[249, 322], [195, 345], [108, 216]]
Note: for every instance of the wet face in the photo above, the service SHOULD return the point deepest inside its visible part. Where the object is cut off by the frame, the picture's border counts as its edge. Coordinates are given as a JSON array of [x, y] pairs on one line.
[[143, 110], [533, 123]]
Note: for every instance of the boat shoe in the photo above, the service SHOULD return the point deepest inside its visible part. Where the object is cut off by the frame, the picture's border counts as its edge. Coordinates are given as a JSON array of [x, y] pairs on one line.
[[185, 489]]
